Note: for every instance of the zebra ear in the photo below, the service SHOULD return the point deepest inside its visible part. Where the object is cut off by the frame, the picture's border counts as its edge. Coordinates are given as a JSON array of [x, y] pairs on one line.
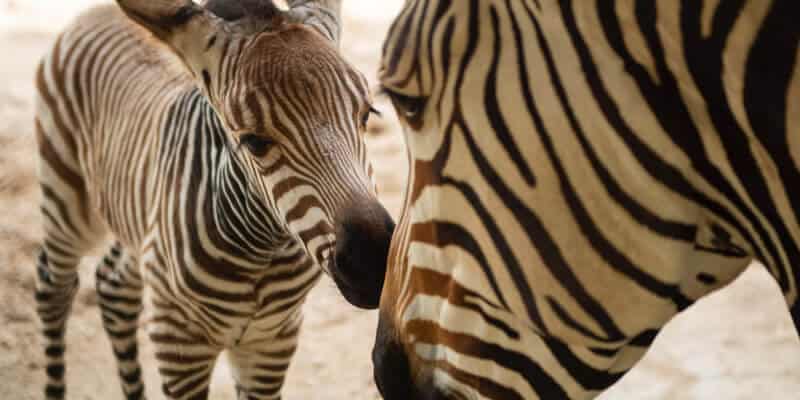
[[323, 15], [162, 17], [183, 25]]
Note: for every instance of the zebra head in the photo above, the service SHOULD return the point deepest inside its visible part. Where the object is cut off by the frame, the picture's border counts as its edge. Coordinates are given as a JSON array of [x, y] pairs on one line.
[[297, 111], [581, 172], [441, 317]]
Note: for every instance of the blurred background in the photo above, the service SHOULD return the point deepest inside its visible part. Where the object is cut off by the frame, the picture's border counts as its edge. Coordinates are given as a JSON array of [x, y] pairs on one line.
[[736, 344]]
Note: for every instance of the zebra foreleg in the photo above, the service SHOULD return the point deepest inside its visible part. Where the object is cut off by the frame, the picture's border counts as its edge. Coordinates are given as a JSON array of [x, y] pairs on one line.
[[185, 358], [259, 368], [56, 285], [119, 286]]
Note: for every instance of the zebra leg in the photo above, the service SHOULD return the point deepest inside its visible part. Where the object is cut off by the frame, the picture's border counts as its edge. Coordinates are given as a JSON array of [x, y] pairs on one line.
[[185, 358], [56, 285], [119, 287], [259, 368], [68, 235], [71, 228]]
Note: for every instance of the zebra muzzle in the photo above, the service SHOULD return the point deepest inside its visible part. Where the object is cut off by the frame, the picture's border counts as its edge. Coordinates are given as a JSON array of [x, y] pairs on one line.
[[363, 236]]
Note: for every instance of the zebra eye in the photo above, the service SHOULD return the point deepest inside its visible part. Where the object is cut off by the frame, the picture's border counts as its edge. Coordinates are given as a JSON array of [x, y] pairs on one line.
[[409, 108], [258, 146]]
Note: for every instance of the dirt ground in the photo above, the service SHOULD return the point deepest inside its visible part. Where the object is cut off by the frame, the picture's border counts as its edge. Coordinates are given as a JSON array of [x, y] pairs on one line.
[[736, 344]]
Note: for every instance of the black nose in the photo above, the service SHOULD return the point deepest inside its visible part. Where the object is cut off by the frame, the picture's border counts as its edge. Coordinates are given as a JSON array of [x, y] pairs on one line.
[[392, 369], [363, 236]]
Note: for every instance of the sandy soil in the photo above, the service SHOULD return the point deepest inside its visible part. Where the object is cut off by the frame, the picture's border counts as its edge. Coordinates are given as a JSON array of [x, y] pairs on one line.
[[736, 344]]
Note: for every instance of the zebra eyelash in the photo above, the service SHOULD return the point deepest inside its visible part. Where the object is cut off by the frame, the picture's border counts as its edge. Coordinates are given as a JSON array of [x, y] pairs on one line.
[[384, 92], [256, 145], [370, 111], [409, 107]]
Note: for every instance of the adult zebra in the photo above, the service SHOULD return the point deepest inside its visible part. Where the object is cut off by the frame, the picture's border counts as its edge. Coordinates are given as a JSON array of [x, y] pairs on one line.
[[581, 172], [139, 139]]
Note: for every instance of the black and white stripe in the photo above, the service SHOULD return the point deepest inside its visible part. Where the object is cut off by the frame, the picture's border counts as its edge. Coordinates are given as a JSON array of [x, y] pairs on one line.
[[229, 164], [581, 172]]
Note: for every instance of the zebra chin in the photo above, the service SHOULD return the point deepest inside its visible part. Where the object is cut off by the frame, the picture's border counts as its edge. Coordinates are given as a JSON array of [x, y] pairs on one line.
[[363, 235], [393, 373]]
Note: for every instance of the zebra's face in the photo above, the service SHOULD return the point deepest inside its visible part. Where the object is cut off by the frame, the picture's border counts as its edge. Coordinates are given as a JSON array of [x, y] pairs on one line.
[[413, 357], [297, 110]]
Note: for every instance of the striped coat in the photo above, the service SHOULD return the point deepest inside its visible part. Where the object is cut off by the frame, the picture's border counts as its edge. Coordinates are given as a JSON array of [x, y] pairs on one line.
[[582, 171], [222, 148]]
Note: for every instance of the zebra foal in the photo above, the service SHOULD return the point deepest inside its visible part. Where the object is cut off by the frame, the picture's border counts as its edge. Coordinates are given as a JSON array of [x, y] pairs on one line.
[[222, 146], [581, 172]]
